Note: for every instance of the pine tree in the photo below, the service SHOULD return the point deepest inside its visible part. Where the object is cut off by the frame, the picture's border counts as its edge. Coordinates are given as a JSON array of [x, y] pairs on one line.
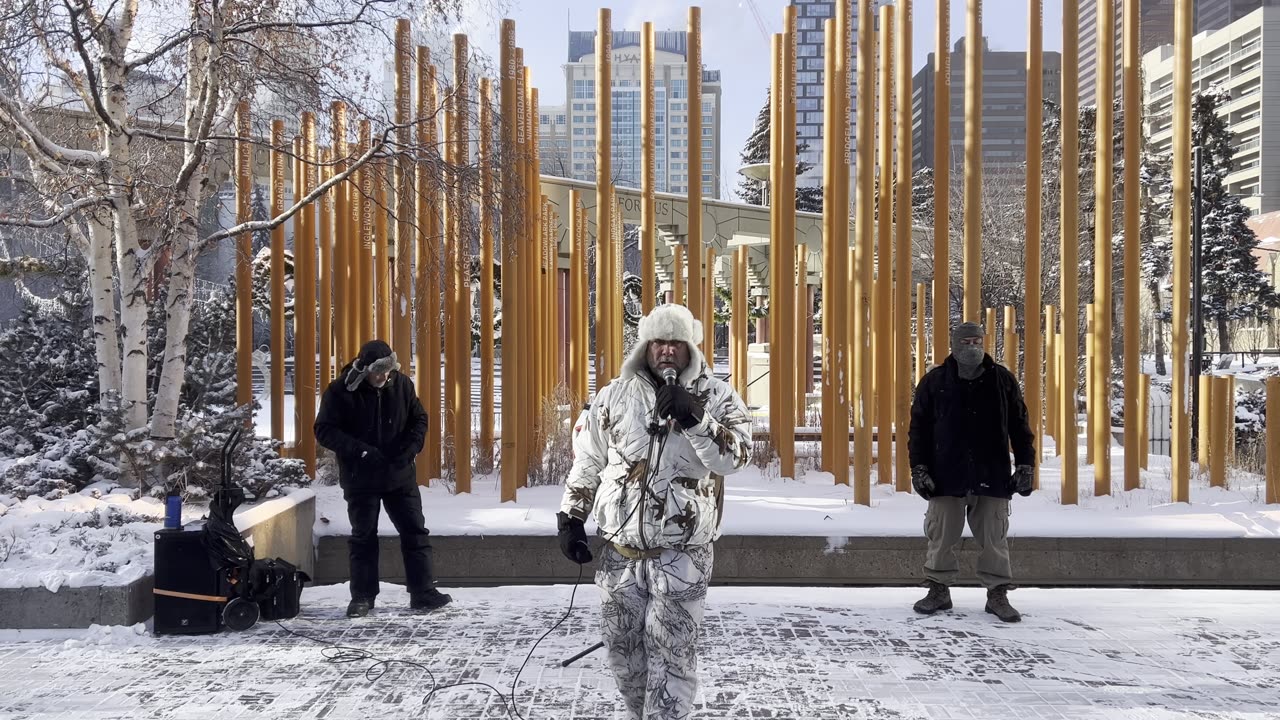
[[1233, 288], [1156, 177], [756, 150]]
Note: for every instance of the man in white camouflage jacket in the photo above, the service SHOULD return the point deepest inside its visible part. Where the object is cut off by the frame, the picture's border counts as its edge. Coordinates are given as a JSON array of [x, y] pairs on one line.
[[649, 459]]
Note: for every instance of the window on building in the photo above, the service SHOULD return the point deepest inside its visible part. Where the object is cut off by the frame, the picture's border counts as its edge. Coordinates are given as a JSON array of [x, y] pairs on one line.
[[584, 88], [560, 119], [808, 77], [679, 88], [706, 132]]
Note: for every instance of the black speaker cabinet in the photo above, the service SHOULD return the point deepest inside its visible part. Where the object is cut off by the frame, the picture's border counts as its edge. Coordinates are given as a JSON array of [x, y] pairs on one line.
[[188, 591]]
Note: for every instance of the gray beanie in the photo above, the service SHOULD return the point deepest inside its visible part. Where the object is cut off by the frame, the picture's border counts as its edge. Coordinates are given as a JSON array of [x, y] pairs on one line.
[[968, 356], [966, 330]]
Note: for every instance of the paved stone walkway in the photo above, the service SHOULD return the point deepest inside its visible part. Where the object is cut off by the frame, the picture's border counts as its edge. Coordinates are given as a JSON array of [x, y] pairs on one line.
[[802, 653]]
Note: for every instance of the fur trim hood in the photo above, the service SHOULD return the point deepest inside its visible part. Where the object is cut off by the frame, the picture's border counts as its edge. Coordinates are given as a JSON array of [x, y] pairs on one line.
[[667, 322]]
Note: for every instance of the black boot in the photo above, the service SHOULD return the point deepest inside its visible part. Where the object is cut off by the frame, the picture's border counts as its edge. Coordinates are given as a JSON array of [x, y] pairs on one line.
[[359, 607], [939, 598], [998, 604], [428, 600]]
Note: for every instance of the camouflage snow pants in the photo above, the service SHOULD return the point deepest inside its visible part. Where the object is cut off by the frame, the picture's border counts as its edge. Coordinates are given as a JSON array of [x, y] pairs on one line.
[[651, 610]]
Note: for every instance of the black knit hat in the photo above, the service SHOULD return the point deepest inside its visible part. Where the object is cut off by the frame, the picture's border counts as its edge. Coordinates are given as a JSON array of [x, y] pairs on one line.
[[373, 351]]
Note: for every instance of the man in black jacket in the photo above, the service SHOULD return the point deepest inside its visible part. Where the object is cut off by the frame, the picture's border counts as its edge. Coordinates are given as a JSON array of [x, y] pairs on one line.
[[370, 417], [966, 414]]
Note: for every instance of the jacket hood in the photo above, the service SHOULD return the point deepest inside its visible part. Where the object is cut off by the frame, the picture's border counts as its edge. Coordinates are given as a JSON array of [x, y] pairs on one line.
[[667, 322]]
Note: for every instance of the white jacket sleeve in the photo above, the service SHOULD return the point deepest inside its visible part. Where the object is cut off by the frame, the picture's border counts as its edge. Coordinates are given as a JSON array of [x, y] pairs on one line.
[[590, 456], [723, 439]]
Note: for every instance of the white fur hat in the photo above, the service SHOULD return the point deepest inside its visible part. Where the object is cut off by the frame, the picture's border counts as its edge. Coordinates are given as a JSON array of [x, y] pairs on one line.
[[670, 322]]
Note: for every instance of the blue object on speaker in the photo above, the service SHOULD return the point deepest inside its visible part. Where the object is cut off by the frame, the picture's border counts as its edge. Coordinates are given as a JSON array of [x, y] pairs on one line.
[[173, 511]]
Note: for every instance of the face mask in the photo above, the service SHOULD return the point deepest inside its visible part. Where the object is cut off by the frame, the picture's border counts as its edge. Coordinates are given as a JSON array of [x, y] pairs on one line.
[[968, 354]]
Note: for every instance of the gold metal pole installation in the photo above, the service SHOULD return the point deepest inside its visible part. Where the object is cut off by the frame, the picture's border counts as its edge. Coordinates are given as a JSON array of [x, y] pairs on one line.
[[1273, 441], [511, 194], [786, 182], [1010, 349], [485, 451], [1070, 246], [882, 327], [1218, 419], [1102, 285], [304, 310], [1032, 294], [861, 301], [1132, 91], [922, 362], [677, 274], [369, 208], [694, 166], [402, 251], [462, 270], [519, 344], [426, 327], [277, 281], [941, 183], [993, 332], [830, 143], [973, 42], [801, 289], [738, 343], [326, 271], [380, 252], [578, 339], [1052, 394], [604, 216], [244, 260], [775, 234], [1141, 420], [1182, 29], [903, 379], [342, 299], [648, 169]]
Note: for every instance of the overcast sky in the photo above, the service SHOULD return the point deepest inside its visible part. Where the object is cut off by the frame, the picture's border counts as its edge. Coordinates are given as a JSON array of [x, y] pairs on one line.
[[733, 43]]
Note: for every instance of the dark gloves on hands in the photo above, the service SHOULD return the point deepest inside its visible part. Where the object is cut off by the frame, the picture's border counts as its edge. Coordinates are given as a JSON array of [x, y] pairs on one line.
[[1023, 479], [679, 404], [371, 458], [573, 539], [922, 482]]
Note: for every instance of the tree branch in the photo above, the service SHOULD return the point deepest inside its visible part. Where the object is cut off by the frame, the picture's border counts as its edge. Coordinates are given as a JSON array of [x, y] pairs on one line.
[[79, 43], [58, 219], [33, 139], [246, 28]]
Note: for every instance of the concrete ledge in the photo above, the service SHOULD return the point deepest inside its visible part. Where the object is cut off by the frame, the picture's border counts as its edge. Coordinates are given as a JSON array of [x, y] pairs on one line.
[[792, 560], [282, 527]]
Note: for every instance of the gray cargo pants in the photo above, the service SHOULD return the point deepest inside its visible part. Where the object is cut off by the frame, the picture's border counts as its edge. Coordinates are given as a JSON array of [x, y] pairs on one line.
[[651, 609], [988, 519]]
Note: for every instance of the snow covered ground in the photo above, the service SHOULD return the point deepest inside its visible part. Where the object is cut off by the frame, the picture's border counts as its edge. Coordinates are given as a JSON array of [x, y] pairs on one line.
[[758, 502], [803, 654]]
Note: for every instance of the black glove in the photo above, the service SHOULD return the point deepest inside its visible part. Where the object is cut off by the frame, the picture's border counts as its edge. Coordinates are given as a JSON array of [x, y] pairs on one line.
[[403, 458], [922, 481], [679, 404], [573, 539], [1023, 480]]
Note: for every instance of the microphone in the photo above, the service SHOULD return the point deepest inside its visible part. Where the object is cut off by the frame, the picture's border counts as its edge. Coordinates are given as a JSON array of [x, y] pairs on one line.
[[669, 376]]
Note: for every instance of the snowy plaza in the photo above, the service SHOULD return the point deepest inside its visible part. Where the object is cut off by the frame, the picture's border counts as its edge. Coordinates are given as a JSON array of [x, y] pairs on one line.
[[802, 653]]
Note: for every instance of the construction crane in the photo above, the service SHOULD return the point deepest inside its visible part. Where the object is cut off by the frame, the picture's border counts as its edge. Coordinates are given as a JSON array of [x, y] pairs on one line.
[[755, 12]]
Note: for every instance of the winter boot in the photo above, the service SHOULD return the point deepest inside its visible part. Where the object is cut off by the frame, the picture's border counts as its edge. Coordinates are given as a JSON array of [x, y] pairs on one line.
[[359, 607], [428, 600], [939, 598], [998, 604]]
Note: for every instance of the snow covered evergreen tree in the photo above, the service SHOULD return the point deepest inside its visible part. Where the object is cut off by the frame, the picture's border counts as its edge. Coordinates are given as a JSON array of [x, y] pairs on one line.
[[756, 150], [1233, 288]]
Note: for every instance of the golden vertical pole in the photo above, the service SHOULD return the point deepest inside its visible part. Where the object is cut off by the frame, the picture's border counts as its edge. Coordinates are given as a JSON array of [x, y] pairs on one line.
[[578, 342], [1051, 394], [521, 344], [786, 182], [1091, 401], [326, 272], [1182, 30], [615, 254], [922, 362], [1033, 369], [1142, 424], [830, 142], [882, 327], [941, 183], [1070, 246], [802, 323], [1102, 285], [709, 308], [903, 379], [426, 367], [402, 252], [1010, 350], [973, 42], [448, 253], [244, 260], [462, 271], [1204, 422], [1230, 410], [370, 181], [341, 238], [775, 240], [380, 255], [993, 332], [510, 212], [1133, 110], [677, 274], [277, 282], [695, 253], [648, 186], [1060, 373], [1273, 441], [861, 302], [604, 215], [739, 324], [486, 273], [1218, 419], [304, 309]]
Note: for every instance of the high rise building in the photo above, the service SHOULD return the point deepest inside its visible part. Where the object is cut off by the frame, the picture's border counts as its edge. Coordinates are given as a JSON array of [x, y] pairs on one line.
[[671, 112], [1214, 15], [1004, 107], [1156, 29], [1232, 58], [810, 59], [553, 141]]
